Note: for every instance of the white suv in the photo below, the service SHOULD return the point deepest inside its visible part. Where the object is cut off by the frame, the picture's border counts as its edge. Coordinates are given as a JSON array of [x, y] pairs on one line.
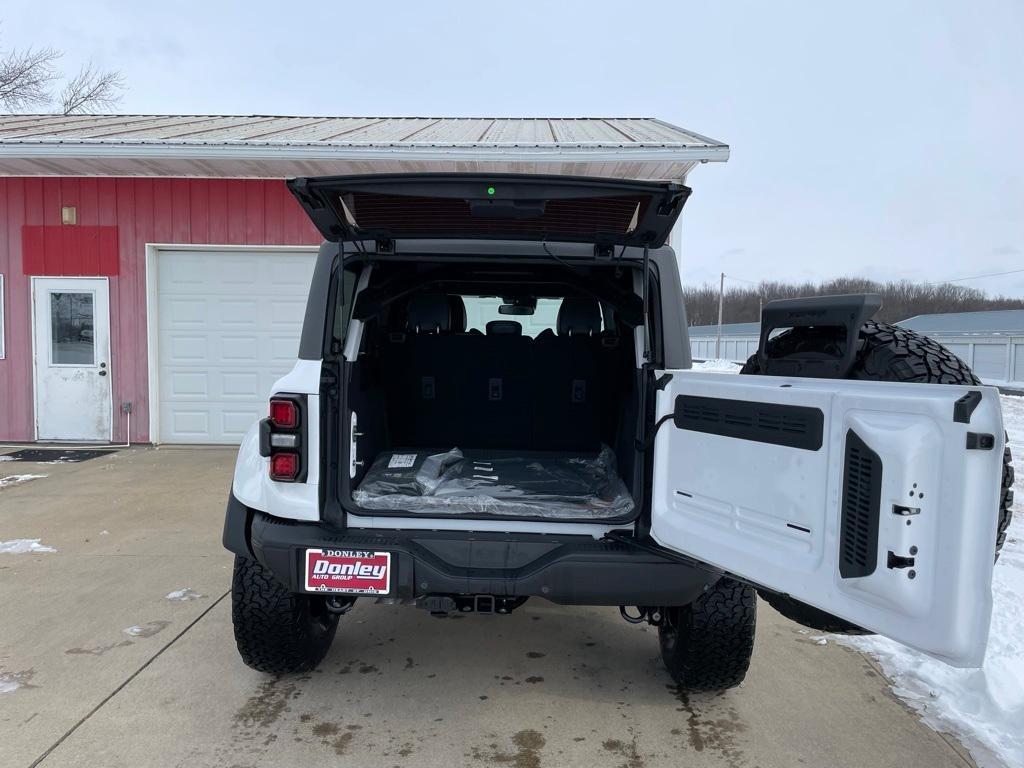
[[855, 477]]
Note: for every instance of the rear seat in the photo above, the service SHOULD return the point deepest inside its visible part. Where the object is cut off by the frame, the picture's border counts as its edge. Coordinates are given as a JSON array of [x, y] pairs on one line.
[[447, 387], [571, 392]]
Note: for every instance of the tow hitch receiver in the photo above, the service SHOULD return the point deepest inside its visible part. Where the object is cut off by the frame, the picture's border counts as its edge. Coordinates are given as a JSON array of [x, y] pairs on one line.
[[442, 605]]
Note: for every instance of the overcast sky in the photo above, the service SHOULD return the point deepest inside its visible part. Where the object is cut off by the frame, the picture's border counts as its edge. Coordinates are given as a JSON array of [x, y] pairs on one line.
[[866, 139]]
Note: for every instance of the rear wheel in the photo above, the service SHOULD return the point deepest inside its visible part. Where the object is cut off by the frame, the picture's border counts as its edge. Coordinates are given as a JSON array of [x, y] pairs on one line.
[[887, 353], [706, 645], [277, 631]]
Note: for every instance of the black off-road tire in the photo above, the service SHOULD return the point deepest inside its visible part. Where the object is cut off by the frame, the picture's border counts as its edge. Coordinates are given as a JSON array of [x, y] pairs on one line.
[[887, 353], [276, 631], [706, 645]]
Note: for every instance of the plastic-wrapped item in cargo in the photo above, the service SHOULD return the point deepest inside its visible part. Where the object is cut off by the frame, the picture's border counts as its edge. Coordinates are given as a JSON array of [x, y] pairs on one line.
[[552, 485]]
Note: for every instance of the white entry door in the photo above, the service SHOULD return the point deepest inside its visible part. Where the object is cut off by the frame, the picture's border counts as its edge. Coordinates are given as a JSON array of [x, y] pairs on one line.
[[71, 320]]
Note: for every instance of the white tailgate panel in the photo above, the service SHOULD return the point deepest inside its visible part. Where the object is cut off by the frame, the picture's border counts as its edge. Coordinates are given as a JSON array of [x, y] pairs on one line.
[[772, 513]]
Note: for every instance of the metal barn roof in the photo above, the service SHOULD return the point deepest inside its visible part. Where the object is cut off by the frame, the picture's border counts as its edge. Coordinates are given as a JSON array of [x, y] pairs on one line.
[[269, 146], [728, 329], [1009, 322]]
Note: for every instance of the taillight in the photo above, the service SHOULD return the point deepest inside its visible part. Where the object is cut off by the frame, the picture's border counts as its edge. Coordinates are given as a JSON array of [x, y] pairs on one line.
[[284, 467], [284, 413], [282, 438]]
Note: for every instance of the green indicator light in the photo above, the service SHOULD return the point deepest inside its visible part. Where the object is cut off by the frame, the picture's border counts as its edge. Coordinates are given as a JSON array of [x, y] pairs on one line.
[[490, 190]]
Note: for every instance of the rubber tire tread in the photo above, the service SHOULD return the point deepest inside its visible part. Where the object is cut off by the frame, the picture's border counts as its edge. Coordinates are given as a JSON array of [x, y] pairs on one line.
[[707, 645], [276, 631]]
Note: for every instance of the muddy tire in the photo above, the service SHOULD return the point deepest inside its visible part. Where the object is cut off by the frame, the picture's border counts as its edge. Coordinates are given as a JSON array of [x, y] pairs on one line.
[[706, 645], [887, 353], [277, 631]]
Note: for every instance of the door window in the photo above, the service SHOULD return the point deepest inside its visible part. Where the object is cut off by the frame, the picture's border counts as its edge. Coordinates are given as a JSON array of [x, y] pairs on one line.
[[72, 339]]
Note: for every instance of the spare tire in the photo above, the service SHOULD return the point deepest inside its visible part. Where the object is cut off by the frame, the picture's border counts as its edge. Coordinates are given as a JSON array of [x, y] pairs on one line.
[[886, 353]]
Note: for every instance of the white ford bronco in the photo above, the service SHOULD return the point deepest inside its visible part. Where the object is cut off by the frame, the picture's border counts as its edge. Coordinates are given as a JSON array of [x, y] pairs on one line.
[[494, 401]]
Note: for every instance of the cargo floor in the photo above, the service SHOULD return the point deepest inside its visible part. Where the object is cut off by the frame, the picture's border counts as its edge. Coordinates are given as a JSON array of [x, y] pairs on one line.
[[552, 485]]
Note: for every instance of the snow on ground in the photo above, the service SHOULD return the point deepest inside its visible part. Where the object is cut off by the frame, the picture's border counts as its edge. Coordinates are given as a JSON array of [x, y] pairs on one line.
[[22, 546], [717, 366], [183, 595], [17, 479], [983, 707], [7, 458]]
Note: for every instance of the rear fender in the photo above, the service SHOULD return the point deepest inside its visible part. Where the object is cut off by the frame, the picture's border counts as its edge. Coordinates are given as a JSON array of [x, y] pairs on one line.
[[252, 485]]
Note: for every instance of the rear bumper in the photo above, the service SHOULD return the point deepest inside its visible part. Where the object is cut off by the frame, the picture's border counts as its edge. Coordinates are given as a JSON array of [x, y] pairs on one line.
[[571, 570]]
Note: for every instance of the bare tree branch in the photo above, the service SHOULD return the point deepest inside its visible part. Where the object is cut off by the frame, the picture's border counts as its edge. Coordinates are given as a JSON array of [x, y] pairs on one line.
[[26, 78], [91, 89]]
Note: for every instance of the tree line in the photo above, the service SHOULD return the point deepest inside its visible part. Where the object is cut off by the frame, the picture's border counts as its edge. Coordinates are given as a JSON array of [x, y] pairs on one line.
[[900, 300]]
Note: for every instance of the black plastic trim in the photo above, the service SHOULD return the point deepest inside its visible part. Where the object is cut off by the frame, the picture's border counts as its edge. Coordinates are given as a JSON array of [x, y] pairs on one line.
[[849, 311], [861, 509], [237, 520], [793, 426], [964, 407], [572, 570]]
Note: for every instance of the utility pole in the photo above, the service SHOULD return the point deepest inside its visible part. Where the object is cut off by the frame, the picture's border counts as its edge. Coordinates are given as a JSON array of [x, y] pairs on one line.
[[718, 338]]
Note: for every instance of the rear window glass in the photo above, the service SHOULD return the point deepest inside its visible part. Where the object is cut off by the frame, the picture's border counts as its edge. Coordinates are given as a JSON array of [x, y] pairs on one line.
[[481, 310]]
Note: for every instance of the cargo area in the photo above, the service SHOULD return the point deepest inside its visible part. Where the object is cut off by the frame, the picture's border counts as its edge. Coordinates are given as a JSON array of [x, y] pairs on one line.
[[496, 392]]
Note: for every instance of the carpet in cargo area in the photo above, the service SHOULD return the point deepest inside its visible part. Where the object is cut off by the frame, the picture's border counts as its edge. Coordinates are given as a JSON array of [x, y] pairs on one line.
[[550, 485]]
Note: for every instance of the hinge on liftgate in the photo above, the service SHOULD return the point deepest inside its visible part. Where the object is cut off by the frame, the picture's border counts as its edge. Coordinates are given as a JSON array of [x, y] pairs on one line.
[[662, 381]]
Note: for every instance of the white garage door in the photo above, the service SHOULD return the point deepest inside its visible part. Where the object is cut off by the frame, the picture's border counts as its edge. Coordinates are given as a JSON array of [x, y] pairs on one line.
[[228, 325]]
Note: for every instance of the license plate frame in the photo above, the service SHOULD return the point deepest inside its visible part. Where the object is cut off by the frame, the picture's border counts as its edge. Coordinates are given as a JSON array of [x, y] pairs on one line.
[[346, 571]]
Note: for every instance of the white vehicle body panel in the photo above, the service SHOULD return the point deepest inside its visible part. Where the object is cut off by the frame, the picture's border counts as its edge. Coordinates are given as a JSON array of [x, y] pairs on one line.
[[771, 513], [252, 484]]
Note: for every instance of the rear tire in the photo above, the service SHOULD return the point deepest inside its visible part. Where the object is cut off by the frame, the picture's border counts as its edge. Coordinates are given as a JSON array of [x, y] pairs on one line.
[[277, 631], [887, 353], [706, 645]]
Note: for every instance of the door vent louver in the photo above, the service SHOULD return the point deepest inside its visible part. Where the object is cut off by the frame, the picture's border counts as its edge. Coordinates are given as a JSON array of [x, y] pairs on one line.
[[862, 491], [794, 426]]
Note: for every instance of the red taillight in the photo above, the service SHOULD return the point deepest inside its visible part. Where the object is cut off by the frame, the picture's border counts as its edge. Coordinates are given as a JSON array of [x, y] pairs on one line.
[[284, 413], [284, 466]]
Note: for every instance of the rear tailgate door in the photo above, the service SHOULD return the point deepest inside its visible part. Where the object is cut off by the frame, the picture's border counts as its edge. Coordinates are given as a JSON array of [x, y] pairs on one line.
[[606, 212]]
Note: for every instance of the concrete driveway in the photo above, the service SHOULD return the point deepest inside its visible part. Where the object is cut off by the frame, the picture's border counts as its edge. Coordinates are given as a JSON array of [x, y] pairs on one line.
[[546, 686]]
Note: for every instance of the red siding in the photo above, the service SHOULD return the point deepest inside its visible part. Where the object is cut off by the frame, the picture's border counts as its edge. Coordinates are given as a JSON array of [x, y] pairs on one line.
[[119, 215], [69, 251]]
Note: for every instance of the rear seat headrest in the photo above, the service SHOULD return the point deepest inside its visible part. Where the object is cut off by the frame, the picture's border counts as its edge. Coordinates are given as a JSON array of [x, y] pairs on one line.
[[504, 328], [458, 314], [428, 313], [579, 316]]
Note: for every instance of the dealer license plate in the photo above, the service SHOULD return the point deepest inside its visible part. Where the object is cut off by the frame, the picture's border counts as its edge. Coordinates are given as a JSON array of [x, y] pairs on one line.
[[348, 571]]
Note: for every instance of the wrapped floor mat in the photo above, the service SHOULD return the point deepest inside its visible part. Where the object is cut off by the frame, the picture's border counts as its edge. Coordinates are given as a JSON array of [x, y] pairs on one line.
[[551, 485]]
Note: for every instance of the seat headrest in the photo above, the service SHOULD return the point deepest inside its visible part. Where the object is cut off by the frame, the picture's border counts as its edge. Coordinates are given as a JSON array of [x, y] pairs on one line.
[[458, 314], [504, 328], [579, 316], [428, 313]]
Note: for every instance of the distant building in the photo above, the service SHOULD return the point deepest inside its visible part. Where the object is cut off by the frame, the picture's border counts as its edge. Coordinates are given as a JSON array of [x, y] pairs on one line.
[[992, 343], [739, 341]]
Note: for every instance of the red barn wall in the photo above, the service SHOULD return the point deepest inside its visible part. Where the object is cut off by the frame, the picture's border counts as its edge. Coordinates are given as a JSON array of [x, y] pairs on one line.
[[179, 211]]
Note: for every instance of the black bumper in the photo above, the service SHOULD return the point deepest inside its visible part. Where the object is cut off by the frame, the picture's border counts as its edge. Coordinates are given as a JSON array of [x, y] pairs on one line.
[[572, 570]]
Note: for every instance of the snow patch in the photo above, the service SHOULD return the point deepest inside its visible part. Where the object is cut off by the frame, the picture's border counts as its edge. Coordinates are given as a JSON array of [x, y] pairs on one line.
[[718, 366], [183, 595], [7, 458], [22, 546], [17, 479], [983, 707]]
